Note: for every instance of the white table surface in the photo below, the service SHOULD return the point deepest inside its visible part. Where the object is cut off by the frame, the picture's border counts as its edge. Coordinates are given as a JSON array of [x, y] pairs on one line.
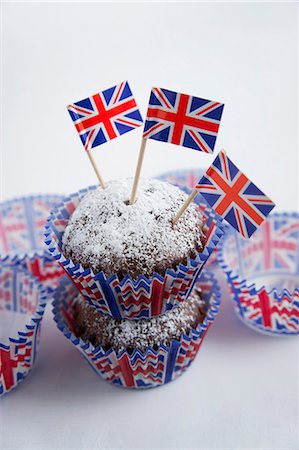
[[242, 390]]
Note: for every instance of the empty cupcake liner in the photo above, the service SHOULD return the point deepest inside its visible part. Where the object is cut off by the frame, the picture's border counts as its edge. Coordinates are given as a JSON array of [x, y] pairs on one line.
[[22, 304], [128, 298], [186, 179], [22, 223], [139, 370], [263, 274]]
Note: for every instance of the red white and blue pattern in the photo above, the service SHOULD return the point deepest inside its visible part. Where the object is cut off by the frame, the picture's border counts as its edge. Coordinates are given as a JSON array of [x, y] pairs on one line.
[[184, 178], [14, 234], [105, 115], [275, 248], [139, 370], [263, 274], [20, 293], [182, 120], [272, 312], [128, 298], [233, 196], [22, 222]]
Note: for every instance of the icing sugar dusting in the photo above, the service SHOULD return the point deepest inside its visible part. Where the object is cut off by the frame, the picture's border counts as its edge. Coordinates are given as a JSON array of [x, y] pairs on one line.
[[105, 233], [109, 332]]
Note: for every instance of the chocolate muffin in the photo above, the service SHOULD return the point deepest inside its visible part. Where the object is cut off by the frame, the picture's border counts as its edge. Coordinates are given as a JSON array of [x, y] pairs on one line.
[[107, 234], [99, 329]]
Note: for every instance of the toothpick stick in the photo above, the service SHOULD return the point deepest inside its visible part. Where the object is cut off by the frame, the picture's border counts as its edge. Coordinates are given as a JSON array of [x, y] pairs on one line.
[[93, 163], [185, 206], [138, 170]]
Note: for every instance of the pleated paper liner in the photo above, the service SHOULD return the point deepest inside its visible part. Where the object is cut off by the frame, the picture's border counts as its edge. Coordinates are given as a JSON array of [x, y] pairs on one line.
[[22, 222], [128, 298], [153, 367], [22, 304], [263, 274], [182, 178]]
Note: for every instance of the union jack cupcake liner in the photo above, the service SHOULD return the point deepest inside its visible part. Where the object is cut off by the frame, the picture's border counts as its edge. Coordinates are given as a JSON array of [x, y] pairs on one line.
[[138, 369], [183, 178], [263, 274], [22, 303], [128, 298], [22, 222]]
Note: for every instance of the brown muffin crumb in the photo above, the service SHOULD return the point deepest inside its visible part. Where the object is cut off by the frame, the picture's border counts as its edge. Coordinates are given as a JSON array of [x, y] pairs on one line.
[[106, 234], [118, 334]]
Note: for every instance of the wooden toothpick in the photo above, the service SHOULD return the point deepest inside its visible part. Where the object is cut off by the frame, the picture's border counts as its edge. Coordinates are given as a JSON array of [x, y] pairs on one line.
[[138, 171], [185, 205], [95, 168]]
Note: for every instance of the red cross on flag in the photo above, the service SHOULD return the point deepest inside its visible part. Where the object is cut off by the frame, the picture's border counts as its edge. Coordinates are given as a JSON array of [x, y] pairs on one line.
[[183, 120], [105, 115], [233, 196]]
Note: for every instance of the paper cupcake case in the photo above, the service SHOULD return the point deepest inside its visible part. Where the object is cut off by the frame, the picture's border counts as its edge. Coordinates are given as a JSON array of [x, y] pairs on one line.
[[153, 367], [263, 274], [20, 293], [128, 298], [22, 222], [186, 177]]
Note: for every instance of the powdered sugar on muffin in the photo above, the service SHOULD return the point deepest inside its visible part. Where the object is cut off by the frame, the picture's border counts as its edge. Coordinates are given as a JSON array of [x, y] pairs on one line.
[[106, 234], [118, 334]]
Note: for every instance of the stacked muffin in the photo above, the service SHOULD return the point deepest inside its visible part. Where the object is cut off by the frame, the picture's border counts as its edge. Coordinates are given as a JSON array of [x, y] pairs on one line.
[[108, 332], [107, 234], [136, 271]]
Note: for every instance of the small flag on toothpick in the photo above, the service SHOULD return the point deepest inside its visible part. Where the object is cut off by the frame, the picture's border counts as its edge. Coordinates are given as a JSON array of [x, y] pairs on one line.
[[179, 119], [105, 116], [232, 195], [183, 120]]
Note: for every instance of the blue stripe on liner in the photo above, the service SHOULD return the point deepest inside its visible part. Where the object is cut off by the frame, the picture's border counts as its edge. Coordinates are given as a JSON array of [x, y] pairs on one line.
[[109, 297], [64, 213], [236, 292], [35, 341], [14, 291], [30, 221], [171, 360], [240, 260], [195, 278]]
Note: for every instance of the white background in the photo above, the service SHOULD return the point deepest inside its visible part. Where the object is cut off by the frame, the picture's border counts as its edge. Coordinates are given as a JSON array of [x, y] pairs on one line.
[[242, 391]]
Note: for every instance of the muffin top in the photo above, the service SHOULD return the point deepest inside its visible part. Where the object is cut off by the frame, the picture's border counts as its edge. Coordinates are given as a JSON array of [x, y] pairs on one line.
[[109, 332], [107, 234]]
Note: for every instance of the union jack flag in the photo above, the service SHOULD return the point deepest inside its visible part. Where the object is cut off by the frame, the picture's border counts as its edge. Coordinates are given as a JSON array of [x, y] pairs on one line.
[[182, 120], [105, 115], [233, 196]]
